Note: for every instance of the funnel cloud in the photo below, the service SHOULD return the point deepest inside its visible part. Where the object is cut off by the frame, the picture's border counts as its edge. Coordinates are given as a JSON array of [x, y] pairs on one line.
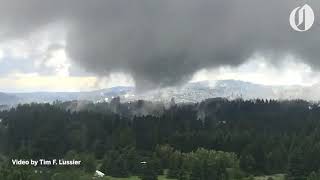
[[163, 43]]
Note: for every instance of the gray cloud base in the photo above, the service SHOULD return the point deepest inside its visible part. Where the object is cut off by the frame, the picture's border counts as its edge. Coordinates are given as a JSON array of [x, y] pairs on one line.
[[164, 42]]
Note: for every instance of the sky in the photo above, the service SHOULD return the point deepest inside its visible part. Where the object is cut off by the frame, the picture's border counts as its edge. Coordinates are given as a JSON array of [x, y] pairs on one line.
[[79, 45]]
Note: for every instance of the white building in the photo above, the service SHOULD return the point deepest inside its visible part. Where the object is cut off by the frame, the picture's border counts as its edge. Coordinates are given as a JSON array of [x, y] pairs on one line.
[[99, 174]]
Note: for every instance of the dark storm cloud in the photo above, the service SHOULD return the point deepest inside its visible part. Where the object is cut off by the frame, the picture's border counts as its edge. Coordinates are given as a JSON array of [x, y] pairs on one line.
[[163, 42]]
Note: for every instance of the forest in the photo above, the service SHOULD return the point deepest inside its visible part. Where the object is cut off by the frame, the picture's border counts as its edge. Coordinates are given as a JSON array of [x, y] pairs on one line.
[[217, 139]]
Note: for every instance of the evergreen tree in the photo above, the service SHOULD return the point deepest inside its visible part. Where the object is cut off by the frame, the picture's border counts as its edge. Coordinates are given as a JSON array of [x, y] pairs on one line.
[[296, 169]]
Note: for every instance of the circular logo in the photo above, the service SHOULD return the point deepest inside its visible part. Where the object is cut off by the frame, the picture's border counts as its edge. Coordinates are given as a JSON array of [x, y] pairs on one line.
[[302, 18]]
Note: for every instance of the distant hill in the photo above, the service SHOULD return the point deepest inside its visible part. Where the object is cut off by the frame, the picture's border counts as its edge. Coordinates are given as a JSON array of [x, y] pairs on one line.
[[230, 89], [191, 92], [8, 99], [96, 95]]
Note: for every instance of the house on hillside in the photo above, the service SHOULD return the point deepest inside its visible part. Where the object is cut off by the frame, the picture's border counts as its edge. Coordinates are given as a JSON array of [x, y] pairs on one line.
[[98, 174]]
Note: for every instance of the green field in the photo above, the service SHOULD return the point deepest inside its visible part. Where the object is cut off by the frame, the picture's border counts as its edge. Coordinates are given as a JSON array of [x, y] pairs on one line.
[[129, 178], [274, 177], [163, 178], [135, 178]]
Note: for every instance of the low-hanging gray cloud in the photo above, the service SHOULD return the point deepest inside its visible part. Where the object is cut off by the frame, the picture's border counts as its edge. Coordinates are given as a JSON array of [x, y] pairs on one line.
[[163, 42]]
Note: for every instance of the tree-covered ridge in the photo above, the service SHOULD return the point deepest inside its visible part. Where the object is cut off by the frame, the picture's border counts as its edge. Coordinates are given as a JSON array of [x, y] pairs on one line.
[[215, 138]]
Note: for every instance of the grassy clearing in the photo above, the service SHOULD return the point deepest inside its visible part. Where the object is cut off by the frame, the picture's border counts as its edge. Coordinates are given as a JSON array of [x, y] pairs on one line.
[[274, 177], [129, 178], [135, 178], [164, 178]]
